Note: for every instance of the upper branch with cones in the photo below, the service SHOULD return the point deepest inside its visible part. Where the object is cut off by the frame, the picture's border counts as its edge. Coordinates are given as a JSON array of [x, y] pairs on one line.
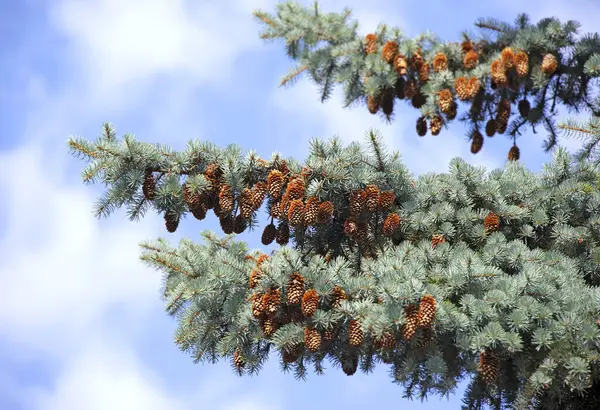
[[527, 66]]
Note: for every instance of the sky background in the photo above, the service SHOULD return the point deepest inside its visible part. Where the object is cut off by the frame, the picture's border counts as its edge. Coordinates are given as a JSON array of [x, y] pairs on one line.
[[82, 326]]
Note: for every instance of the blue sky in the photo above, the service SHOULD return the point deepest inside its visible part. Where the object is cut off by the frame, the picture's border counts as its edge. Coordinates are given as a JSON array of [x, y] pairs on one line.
[[81, 323]]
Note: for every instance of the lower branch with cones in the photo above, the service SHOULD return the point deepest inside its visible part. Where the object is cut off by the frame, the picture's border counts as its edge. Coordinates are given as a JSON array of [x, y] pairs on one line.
[[492, 275]]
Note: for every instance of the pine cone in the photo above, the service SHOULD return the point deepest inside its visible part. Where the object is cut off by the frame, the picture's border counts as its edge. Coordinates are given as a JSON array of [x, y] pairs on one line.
[[387, 102], [275, 210], [191, 199], [357, 202], [370, 43], [261, 259], [410, 89], [460, 86], [440, 62], [426, 313], [491, 223], [390, 225], [311, 211], [466, 46], [418, 100], [445, 100], [386, 341], [473, 87], [355, 333], [400, 64], [508, 58], [498, 73], [399, 88], [386, 200], [226, 199], [310, 302], [470, 59], [421, 126], [296, 188], [312, 339], [239, 224], [337, 296], [171, 221], [452, 112], [199, 211], [213, 173], [437, 239], [435, 124], [325, 212], [275, 183], [476, 142], [329, 336], [416, 60], [350, 227], [272, 301], [410, 327], [549, 64], [424, 72], [282, 236], [268, 235], [372, 197], [522, 64], [501, 126], [290, 356], [238, 360], [524, 108], [390, 50], [258, 308], [284, 205], [255, 277], [245, 201], [373, 103], [296, 212], [268, 325], [295, 289], [258, 193], [490, 128], [350, 363], [226, 222], [489, 366], [514, 154], [149, 186]]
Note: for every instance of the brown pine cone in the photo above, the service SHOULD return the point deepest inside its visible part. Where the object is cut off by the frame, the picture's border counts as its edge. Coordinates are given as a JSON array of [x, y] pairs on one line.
[[390, 50], [326, 210], [245, 201], [460, 86], [373, 103], [295, 289], [424, 72], [549, 64], [476, 142], [239, 224], [296, 212], [386, 200], [355, 333], [435, 124], [275, 183], [282, 237], [390, 225], [268, 235], [371, 43], [440, 62], [311, 211], [514, 154], [372, 197], [226, 199], [490, 128], [149, 185], [470, 59], [522, 64], [312, 339], [171, 222], [508, 58], [410, 327], [491, 223], [226, 222], [400, 64], [427, 310], [258, 193], [473, 87], [437, 239], [310, 302]]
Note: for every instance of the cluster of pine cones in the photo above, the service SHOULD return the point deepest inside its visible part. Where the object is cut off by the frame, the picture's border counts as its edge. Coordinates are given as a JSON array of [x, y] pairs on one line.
[[509, 71], [297, 304]]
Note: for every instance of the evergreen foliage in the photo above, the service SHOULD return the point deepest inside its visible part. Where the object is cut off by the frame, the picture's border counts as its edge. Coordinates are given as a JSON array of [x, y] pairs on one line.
[[533, 67], [487, 274]]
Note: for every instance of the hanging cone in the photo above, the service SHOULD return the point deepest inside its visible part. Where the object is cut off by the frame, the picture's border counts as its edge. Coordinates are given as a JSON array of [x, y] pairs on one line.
[[226, 199], [473, 87], [390, 50], [460, 86], [149, 185], [311, 211], [421, 126], [295, 289], [491, 223], [338, 295], [373, 103], [549, 64], [390, 225], [471, 59], [372, 197], [386, 200], [488, 366], [296, 188], [310, 302], [440, 62], [400, 64], [245, 201], [282, 236], [355, 333], [171, 222], [226, 222], [410, 327], [514, 154], [238, 360], [370, 43], [255, 277], [296, 212], [426, 312], [435, 124], [522, 64], [490, 128], [325, 212], [476, 142], [239, 224], [257, 194], [275, 183], [507, 56], [312, 339], [524, 108]]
